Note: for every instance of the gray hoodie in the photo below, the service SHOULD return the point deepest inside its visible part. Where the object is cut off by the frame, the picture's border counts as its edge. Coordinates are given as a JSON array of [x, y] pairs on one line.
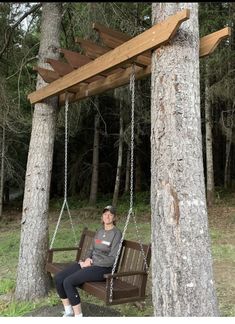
[[105, 247]]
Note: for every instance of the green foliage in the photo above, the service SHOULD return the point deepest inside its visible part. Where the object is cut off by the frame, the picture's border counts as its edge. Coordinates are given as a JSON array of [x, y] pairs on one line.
[[6, 285], [16, 309]]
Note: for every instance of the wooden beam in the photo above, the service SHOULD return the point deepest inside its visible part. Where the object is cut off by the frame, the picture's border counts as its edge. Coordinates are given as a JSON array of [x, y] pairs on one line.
[[113, 81], [92, 50], [152, 38], [113, 39], [75, 59], [209, 43], [47, 75], [63, 69], [60, 67]]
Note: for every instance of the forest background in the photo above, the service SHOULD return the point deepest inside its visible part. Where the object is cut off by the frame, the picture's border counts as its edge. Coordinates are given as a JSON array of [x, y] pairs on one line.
[[18, 57], [99, 127]]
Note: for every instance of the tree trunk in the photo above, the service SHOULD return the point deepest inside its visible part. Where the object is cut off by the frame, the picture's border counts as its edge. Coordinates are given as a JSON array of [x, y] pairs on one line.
[[95, 163], [182, 275], [2, 166], [32, 281], [209, 143], [138, 183], [229, 134], [119, 162]]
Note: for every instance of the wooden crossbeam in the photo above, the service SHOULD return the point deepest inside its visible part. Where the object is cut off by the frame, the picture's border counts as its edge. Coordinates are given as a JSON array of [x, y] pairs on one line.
[[60, 67], [113, 81], [75, 59], [209, 43], [113, 38], [63, 69], [152, 38], [92, 50], [47, 75]]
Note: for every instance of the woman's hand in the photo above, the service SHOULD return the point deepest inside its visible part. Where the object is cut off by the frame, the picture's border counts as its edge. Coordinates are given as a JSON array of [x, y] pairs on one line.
[[86, 263]]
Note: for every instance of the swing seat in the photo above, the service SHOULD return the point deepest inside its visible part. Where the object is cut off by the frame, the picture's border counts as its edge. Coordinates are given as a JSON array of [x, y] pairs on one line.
[[130, 279]]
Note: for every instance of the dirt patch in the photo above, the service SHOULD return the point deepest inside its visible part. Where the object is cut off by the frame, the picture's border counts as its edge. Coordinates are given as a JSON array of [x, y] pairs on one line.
[[222, 218], [89, 310]]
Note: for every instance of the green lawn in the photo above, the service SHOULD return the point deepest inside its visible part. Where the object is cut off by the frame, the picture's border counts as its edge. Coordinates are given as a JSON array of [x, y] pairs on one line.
[[223, 251]]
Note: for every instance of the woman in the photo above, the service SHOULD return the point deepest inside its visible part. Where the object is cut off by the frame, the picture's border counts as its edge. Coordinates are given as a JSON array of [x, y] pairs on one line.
[[99, 261]]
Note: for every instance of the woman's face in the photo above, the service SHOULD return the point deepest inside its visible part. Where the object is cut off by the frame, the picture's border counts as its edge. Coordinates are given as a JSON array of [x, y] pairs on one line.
[[108, 217]]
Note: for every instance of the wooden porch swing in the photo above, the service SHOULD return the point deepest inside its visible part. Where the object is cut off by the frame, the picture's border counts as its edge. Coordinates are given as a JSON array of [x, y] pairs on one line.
[[101, 69]]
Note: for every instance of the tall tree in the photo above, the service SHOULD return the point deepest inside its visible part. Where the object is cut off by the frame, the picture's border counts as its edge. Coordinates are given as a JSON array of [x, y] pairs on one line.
[[32, 281], [95, 161], [182, 275], [119, 94], [210, 187]]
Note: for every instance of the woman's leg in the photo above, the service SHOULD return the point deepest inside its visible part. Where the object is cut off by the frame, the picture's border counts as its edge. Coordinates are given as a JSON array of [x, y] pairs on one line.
[[76, 279], [59, 278]]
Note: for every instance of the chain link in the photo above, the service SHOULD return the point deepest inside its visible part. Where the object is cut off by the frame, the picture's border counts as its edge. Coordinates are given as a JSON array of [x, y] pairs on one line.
[[130, 213], [140, 243], [65, 203]]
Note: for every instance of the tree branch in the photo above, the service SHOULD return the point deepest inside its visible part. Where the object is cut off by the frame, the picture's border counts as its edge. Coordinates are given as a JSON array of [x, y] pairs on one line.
[[9, 32]]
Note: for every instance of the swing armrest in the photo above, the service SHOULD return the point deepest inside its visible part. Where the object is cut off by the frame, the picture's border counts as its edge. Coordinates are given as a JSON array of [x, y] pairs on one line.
[[109, 276], [51, 251]]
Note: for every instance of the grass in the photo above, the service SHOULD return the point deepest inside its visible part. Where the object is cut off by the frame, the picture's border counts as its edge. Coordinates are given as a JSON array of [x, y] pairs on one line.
[[222, 238]]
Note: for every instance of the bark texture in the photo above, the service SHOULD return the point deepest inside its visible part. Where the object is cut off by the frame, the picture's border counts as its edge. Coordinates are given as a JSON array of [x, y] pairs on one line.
[[95, 162], [32, 281], [119, 163], [182, 275], [2, 166]]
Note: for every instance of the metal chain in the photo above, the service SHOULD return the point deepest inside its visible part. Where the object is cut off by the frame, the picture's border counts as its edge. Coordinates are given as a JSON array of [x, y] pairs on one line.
[[132, 89], [140, 243], [65, 203]]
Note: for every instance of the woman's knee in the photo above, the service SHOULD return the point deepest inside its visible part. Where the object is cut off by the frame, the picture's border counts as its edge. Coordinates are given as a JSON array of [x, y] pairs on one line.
[[58, 279], [68, 283]]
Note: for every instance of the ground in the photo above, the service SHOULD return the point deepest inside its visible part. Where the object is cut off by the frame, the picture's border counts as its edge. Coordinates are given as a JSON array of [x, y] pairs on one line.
[[87, 309], [222, 228]]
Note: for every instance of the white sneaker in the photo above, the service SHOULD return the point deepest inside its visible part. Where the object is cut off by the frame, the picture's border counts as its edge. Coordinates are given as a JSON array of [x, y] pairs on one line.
[[67, 314]]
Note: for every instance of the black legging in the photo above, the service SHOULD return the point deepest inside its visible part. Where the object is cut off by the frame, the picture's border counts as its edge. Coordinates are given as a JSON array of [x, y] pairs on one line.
[[68, 279]]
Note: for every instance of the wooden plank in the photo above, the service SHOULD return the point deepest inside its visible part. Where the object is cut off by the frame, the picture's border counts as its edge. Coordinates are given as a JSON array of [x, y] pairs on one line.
[[60, 67], [93, 51], [113, 81], [152, 38], [209, 43], [75, 59], [113, 38], [47, 75], [63, 69]]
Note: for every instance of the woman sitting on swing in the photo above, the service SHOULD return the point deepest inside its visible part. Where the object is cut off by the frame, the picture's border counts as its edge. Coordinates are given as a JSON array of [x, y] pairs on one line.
[[99, 261]]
